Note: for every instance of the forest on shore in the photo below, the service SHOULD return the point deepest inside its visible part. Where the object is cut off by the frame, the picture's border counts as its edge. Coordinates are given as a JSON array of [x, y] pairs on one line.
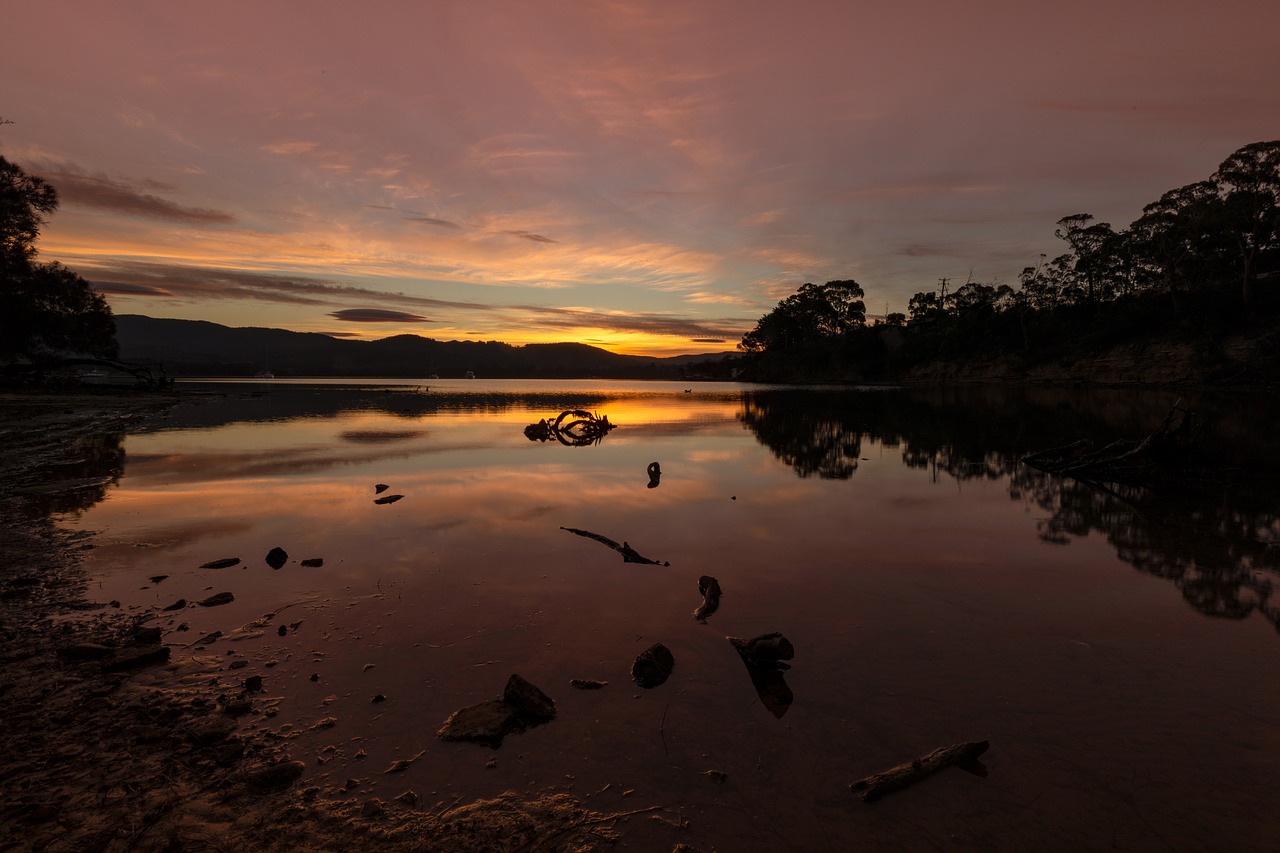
[[1197, 275]]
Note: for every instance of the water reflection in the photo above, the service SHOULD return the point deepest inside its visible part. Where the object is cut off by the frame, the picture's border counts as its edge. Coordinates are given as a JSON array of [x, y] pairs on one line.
[[1220, 545]]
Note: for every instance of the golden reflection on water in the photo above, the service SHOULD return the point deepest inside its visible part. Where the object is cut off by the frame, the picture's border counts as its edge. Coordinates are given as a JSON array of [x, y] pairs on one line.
[[895, 542]]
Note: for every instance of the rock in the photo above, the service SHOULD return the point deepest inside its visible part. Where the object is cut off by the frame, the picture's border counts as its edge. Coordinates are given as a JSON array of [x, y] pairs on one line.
[[379, 488], [282, 631], [313, 562], [237, 664], [237, 707], [207, 638], [149, 635], [224, 563], [409, 798], [531, 702], [715, 775], [521, 707], [158, 578], [137, 657], [388, 499], [253, 684], [277, 557], [766, 650], [315, 676], [177, 605], [372, 808], [274, 776], [86, 651], [486, 723], [586, 683], [653, 666], [378, 697], [217, 599], [709, 587]]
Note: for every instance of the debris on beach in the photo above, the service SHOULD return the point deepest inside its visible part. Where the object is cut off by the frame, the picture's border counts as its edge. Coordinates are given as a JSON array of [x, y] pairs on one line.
[[653, 666], [962, 755], [709, 588], [521, 707], [225, 563], [572, 428], [629, 554]]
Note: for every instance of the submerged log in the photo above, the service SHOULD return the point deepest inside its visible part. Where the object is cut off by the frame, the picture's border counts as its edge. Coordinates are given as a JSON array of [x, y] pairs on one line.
[[963, 755], [1166, 455], [572, 427]]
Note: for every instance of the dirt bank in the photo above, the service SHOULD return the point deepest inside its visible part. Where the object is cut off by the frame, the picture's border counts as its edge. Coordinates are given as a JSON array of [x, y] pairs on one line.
[[112, 742]]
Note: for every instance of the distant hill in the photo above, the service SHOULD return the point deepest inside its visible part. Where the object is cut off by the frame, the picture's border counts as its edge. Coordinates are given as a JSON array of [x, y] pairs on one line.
[[201, 348]]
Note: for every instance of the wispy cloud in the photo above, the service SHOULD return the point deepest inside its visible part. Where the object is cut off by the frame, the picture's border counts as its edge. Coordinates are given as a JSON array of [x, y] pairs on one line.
[[528, 235], [291, 147], [131, 197]]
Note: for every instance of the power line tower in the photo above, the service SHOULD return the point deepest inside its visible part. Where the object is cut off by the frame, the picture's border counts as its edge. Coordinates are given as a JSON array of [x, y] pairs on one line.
[[942, 292]]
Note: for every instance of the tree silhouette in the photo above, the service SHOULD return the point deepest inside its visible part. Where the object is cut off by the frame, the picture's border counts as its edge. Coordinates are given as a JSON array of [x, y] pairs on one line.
[[46, 310]]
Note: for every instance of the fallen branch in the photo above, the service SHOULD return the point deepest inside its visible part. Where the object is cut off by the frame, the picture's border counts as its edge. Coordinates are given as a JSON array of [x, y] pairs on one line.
[[963, 755], [629, 554], [572, 427]]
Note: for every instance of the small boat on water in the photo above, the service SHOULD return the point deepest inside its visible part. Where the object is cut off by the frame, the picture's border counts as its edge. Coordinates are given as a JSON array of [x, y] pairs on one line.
[[470, 374], [264, 374]]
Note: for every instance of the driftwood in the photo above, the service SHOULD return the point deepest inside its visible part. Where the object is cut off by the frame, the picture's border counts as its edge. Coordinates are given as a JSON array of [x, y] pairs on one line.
[[963, 755], [1165, 455], [710, 589], [655, 475], [629, 554], [572, 427]]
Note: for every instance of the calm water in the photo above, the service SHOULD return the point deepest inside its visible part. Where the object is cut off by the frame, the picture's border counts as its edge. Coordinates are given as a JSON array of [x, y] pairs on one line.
[[1118, 650]]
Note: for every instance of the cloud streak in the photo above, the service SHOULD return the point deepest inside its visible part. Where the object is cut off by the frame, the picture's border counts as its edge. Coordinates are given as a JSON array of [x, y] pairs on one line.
[[76, 186]]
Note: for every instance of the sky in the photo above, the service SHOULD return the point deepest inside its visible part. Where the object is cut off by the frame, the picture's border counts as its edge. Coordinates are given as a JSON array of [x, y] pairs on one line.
[[649, 177]]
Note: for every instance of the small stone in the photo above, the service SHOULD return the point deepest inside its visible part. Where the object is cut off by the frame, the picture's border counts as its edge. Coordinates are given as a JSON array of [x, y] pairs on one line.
[[491, 763], [315, 676], [715, 775], [409, 798], [137, 657], [378, 697], [282, 631], [313, 562], [177, 605], [224, 563], [388, 499], [253, 684], [158, 578], [149, 635], [277, 557], [372, 808], [379, 488], [587, 683], [217, 599], [237, 664], [531, 702], [653, 666]]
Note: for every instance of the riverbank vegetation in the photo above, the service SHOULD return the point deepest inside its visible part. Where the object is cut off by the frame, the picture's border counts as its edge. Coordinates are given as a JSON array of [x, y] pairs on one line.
[[1198, 270]]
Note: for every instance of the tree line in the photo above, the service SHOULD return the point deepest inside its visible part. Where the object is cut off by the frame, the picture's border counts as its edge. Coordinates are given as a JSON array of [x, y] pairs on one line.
[[46, 310], [1195, 254]]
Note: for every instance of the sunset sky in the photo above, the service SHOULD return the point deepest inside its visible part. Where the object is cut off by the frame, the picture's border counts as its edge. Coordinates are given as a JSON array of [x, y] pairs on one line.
[[650, 177]]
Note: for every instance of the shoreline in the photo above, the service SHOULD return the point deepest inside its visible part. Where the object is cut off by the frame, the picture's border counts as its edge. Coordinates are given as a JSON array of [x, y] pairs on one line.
[[110, 744]]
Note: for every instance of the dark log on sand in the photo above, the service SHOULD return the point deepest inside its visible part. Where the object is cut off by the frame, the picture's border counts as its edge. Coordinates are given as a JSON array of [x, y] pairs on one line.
[[963, 755]]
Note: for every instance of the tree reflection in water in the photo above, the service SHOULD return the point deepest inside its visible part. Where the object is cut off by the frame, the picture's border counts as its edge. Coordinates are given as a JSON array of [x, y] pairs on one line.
[[1218, 544]]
